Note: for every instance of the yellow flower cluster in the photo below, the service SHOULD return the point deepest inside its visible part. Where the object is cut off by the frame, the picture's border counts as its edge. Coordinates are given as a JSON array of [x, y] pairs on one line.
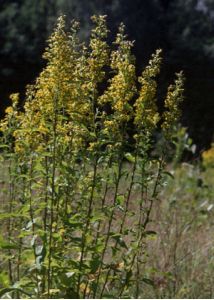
[[146, 112], [10, 123], [99, 56], [65, 101], [122, 87], [208, 157], [172, 102], [64, 89]]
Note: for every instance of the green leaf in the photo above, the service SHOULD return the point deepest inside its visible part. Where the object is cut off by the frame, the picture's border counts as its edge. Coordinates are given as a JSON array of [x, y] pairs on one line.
[[8, 245], [119, 240], [4, 146], [10, 215], [168, 174], [148, 281], [47, 154], [128, 276], [74, 224], [97, 217], [130, 157], [4, 278], [120, 200], [95, 263]]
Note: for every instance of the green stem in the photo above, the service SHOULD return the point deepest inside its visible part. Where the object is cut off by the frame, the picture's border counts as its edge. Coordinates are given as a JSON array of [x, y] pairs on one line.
[[32, 220], [109, 224], [103, 204], [45, 217], [9, 227], [145, 223], [99, 223], [85, 232], [49, 283], [124, 216]]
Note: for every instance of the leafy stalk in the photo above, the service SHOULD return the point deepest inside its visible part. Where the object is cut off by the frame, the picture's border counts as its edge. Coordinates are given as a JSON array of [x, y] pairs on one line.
[[109, 222], [85, 232], [50, 254]]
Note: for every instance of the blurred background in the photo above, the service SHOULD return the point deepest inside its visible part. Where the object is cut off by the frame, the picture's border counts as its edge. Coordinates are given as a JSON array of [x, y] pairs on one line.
[[184, 29]]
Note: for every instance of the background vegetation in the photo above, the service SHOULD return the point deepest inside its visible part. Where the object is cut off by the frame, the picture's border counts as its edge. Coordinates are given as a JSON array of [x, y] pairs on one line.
[[183, 29]]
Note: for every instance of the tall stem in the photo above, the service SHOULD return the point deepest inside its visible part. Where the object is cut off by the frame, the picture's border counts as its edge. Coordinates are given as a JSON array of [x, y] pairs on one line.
[[109, 223], [85, 232], [9, 227], [103, 202], [45, 217], [49, 283], [124, 215], [32, 219], [144, 225]]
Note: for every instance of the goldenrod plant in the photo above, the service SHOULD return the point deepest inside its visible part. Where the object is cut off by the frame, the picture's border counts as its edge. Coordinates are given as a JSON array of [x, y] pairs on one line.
[[172, 101], [77, 209]]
